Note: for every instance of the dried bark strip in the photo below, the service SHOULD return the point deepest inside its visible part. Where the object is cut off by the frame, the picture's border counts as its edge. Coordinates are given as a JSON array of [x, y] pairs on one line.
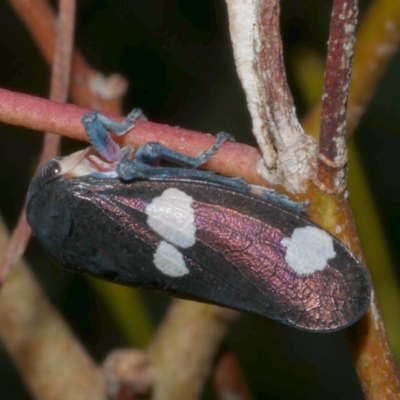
[[288, 154], [332, 155]]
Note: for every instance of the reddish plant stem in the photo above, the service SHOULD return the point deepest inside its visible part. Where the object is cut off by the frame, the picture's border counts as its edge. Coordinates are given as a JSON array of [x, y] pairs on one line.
[[332, 154], [378, 39], [367, 340], [233, 159], [330, 211]]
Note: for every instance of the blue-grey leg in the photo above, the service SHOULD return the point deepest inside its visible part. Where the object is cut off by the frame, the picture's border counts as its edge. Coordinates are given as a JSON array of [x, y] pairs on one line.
[[120, 128], [283, 200], [129, 170], [152, 152], [97, 127], [140, 168]]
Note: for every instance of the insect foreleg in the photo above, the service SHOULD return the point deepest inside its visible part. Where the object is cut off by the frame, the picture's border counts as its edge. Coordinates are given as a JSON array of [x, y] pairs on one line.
[[97, 127]]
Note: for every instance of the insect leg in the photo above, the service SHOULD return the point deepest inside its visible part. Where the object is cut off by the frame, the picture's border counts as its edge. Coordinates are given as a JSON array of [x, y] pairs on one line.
[[283, 200], [97, 127], [152, 152]]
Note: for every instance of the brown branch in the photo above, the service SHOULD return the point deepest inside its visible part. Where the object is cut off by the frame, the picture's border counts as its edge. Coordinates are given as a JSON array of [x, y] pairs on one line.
[[332, 156], [368, 344], [372, 356], [380, 262], [184, 348], [367, 339], [58, 92], [334, 214], [52, 362], [288, 154]]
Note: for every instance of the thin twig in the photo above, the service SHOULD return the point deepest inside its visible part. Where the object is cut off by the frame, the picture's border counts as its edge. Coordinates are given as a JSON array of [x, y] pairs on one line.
[[376, 245], [61, 66], [52, 362], [378, 40], [332, 212], [58, 92], [332, 155], [372, 356]]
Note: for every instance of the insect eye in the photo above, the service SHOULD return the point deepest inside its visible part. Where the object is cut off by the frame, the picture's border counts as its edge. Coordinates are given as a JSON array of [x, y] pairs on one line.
[[50, 169]]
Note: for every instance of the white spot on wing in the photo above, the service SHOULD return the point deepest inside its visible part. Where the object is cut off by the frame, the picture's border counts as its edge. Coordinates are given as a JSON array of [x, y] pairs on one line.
[[308, 250], [169, 260], [171, 216]]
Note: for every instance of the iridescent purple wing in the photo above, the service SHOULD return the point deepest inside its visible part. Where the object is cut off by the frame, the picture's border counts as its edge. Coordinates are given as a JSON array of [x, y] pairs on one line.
[[208, 243]]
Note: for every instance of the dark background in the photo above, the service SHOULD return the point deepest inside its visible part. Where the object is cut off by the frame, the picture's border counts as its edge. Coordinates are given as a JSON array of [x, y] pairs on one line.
[[178, 59]]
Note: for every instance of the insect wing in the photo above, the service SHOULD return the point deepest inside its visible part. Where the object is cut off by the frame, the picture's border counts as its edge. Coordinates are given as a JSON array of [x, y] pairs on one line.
[[209, 243]]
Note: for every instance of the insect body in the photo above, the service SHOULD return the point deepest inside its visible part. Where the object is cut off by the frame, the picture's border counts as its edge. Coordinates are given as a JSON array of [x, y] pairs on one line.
[[194, 234]]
